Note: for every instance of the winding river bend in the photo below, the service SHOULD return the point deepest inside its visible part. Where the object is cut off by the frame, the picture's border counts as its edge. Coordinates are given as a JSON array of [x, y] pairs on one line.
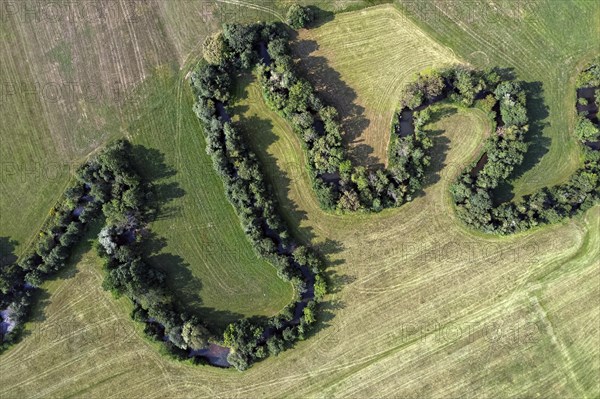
[[216, 354]]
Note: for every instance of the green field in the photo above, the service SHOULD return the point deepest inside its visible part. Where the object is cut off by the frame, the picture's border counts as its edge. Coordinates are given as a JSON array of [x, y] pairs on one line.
[[206, 254], [526, 37], [420, 306], [360, 64]]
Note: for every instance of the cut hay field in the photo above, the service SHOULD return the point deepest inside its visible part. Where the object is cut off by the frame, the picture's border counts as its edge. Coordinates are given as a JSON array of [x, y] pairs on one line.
[[65, 74], [529, 38], [421, 306], [360, 62], [68, 91]]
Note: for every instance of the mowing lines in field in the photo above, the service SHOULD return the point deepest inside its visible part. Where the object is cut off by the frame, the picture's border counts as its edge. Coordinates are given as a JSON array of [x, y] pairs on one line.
[[208, 259], [360, 62], [526, 37], [386, 339]]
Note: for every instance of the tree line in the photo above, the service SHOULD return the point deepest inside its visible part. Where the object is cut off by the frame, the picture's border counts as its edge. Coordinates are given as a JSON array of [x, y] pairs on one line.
[[342, 186], [473, 193], [247, 191], [338, 184], [46, 255], [109, 186]]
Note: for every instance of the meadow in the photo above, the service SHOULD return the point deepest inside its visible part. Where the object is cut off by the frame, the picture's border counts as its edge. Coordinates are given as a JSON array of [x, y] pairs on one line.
[[420, 306], [525, 37], [43, 144], [340, 58]]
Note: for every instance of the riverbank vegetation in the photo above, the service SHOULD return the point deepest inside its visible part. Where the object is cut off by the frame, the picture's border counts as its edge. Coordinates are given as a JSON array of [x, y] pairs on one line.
[[109, 185], [339, 185], [342, 186], [247, 192], [473, 193]]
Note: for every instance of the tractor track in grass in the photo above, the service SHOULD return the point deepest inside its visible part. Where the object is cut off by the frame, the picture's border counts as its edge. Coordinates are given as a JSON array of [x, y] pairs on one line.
[[368, 348]]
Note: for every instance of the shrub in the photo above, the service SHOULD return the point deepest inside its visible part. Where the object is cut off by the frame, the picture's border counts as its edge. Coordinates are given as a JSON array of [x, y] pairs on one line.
[[298, 17], [214, 49]]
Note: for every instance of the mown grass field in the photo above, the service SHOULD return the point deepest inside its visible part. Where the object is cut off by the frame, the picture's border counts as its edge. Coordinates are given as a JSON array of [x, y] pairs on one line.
[[360, 63], [208, 258], [63, 84], [75, 93], [526, 37], [421, 307]]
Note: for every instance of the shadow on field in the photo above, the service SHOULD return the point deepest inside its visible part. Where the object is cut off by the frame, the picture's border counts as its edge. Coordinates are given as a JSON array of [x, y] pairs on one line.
[[151, 164], [183, 283], [187, 287], [7, 251], [333, 90], [259, 136], [327, 311], [441, 145], [320, 17], [537, 111]]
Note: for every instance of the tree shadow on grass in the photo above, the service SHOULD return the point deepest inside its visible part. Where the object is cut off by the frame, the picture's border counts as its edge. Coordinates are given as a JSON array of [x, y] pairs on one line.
[[320, 17], [327, 312], [188, 290], [182, 282], [439, 151], [151, 165], [539, 145], [259, 136], [333, 90], [7, 251], [186, 287]]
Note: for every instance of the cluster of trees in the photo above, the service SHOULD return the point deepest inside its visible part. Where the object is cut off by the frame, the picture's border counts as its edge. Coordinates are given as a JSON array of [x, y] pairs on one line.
[[47, 254], [317, 125], [106, 184], [250, 342], [125, 200], [505, 103], [352, 188], [473, 192], [357, 188], [409, 154], [587, 129], [425, 88], [61, 232], [128, 274], [247, 191], [236, 46], [298, 16], [16, 302], [468, 84], [338, 183], [460, 84], [552, 204], [504, 150]]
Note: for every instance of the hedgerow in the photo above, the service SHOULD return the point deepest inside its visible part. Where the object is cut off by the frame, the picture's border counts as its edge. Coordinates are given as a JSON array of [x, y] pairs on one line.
[[342, 186]]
